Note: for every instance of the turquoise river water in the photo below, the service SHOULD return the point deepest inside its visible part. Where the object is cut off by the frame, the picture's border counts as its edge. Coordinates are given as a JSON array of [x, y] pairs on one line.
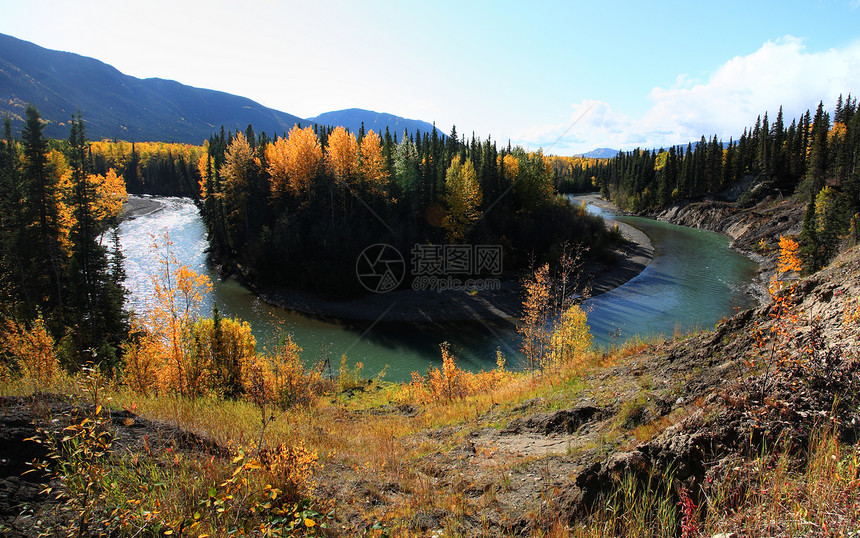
[[694, 280]]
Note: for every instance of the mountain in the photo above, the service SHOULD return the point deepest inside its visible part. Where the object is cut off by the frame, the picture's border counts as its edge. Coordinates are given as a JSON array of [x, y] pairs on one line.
[[352, 118], [115, 105], [601, 153]]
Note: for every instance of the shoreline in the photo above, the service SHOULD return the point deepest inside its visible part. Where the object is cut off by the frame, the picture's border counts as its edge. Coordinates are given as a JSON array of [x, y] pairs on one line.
[[139, 205], [428, 306]]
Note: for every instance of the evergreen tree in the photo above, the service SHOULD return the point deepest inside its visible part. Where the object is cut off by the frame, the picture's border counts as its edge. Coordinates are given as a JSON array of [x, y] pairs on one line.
[[818, 151], [45, 265]]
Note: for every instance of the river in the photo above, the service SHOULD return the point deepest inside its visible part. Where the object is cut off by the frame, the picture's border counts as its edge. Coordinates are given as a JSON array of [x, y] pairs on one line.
[[692, 282]]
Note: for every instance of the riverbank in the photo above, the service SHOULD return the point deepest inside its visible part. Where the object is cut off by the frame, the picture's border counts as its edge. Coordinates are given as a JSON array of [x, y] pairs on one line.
[[696, 415], [139, 206], [754, 231], [633, 257]]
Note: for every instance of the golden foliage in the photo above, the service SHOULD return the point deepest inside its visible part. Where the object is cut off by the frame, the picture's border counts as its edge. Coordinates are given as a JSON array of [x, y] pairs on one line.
[[34, 349], [281, 380], [789, 261], [290, 468], [203, 168], [143, 354], [837, 133], [374, 169], [178, 291], [570, 339], [463, 197], [225, 347], [110, 194], [342, 155], [59, 168], [512, 166], [294, 162], [451, 383], [276, 157], [118, 154], [239, 160], [537, 307]]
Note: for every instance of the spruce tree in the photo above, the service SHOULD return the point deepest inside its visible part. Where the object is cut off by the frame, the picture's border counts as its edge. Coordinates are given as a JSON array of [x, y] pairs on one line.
[[45, 265]]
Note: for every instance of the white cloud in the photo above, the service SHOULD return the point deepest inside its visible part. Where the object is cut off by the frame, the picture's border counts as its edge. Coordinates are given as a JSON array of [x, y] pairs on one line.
[[781, 72]]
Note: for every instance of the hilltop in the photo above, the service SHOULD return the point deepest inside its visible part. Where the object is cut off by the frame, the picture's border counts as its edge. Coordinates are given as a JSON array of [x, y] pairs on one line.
[[354, 118]]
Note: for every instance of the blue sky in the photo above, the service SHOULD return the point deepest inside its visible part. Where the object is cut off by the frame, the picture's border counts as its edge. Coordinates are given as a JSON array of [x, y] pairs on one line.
[[565, 76]]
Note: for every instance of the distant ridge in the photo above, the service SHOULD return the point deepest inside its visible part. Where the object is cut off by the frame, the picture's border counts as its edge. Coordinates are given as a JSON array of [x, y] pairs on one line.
[[119, 106], [352, 119], [601, 153]]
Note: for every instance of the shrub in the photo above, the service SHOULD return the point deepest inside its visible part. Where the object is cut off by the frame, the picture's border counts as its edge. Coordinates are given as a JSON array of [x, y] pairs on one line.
[[34, 350]]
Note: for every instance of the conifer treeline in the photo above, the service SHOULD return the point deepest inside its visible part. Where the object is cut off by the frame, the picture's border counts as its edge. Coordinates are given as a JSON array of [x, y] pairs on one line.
[[299, 209], [55, 270], [814, 157]]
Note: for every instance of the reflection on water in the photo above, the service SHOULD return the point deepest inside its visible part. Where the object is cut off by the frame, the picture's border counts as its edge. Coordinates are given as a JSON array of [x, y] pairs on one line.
[[693, 281]]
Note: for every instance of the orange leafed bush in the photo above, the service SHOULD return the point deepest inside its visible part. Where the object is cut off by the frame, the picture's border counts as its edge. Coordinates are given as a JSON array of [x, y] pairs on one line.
[[281, 380], [451, 383], [34, 348], [789, 261]]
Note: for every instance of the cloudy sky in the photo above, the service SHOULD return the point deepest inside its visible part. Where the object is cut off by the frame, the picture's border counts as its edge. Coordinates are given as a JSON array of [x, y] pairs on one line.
[[567, 76]]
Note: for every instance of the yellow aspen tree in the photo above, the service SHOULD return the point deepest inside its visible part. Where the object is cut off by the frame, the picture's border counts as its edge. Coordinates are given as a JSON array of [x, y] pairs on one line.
[[239, 163], [304, 159], [462, 197], [110, 194], [178, 292], [537, 308], [203, 164], [342, 155], [512, 167], [373, 167], [276, 157], [59, 167]]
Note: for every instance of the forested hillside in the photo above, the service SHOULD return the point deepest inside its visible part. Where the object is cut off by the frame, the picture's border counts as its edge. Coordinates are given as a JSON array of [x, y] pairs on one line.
[[814, 159], [118, 106]]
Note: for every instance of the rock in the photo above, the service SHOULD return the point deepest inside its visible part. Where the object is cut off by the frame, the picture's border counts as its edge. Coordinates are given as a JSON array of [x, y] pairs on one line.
[[566, 421]]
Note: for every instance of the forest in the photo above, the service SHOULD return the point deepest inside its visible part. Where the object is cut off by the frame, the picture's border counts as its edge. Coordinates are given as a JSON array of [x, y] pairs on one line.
[[814, 158], [60, 273], [297, 210]]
